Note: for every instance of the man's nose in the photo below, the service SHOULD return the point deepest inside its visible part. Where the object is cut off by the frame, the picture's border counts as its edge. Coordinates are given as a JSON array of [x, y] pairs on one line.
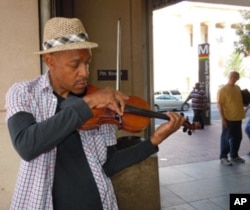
[[84, 70]]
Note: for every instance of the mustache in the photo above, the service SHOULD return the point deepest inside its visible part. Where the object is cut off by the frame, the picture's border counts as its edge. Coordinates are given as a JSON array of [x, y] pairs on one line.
[[82, 80]]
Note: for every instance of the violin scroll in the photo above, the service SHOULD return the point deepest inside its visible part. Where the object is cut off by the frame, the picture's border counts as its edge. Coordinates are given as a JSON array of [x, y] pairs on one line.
[[188, 127]]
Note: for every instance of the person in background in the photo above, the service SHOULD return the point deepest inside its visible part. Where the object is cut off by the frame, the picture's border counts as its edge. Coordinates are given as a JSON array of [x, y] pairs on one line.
[[64, 167], [231, 109], [199, 104]]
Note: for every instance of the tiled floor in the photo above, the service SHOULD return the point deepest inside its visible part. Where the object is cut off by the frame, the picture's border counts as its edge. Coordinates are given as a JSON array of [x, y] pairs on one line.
[[192, 177]]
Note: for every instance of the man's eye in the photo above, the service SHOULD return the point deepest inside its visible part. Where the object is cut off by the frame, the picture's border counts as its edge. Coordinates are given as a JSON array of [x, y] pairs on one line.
[[74, 65]]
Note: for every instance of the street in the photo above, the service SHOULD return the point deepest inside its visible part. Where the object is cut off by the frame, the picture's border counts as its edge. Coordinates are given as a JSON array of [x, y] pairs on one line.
[[214, 113]]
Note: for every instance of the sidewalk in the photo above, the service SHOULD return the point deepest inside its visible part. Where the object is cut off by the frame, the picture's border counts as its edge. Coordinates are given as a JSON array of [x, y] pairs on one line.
[[191, 175], [203, 185], [202, 145]]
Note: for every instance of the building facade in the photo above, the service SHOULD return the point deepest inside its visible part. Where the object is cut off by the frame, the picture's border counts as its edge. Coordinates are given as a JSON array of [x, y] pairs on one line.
[[179, 29]]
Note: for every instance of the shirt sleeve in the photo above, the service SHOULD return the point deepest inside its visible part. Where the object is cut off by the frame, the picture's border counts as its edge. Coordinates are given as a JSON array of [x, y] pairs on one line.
[[121, 159], [31, 138]]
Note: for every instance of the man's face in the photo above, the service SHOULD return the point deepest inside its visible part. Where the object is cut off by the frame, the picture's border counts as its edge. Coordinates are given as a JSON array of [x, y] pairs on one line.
[[233, 77], [69, 70], [197, 86]]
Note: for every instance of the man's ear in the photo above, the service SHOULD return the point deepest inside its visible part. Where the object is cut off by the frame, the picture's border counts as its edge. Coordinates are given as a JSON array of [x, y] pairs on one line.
[[49, 60]]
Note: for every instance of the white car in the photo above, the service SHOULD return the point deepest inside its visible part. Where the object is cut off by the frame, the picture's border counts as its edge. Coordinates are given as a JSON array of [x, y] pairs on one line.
[[166, 102], [175, 93]]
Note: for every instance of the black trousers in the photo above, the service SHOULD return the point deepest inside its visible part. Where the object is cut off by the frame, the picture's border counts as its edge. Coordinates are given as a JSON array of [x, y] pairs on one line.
[[198, 117]]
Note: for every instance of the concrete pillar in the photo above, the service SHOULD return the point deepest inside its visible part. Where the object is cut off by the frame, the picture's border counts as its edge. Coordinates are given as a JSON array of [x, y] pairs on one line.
[[228, 37], [196, 34], [137, 187], [196, 42], [213, 60]]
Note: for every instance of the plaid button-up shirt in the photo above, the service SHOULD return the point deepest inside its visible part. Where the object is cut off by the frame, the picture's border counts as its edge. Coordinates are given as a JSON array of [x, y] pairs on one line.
[[35, 178]]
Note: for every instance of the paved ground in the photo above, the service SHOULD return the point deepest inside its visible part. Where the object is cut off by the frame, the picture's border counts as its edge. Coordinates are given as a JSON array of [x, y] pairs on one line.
[[191, 175], [203, 185], [202, 145]]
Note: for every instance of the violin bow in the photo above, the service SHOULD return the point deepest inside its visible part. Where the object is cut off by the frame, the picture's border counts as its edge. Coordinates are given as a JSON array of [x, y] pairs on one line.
[[118, 54]]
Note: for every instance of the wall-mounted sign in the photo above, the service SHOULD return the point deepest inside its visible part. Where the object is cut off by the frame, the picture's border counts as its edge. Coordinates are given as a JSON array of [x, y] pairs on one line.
[[111, 75]]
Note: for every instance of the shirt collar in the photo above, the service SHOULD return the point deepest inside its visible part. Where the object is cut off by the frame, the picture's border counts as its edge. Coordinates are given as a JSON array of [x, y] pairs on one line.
[[46, 82]]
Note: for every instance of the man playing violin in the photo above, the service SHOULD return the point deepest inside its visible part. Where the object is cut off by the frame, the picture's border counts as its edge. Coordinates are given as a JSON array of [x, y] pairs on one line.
[[63, 167]]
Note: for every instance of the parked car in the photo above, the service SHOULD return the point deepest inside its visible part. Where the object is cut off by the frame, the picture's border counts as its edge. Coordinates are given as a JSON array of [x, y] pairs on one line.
[[166, 102], [175, 93]]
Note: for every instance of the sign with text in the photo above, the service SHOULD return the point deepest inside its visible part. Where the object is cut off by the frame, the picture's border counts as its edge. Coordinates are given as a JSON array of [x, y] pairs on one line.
[[204, 75], [111, 75]]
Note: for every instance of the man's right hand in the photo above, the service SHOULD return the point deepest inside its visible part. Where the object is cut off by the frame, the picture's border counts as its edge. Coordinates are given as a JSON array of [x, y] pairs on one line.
[[107, 98]]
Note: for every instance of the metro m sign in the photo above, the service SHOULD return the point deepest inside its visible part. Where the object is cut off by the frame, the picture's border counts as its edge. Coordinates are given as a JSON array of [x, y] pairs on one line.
[[203, 50]]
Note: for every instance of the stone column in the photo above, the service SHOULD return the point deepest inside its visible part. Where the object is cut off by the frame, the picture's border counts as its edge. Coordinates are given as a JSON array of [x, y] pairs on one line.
[[137, 187], [213, 60], [196, 42]]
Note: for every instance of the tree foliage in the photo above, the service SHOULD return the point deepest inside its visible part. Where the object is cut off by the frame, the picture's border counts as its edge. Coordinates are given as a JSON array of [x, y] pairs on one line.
[[243, 32], [234, 63]]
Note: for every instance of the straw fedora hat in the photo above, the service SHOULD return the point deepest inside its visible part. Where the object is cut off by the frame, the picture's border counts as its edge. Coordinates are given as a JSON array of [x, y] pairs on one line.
[[62, 34]]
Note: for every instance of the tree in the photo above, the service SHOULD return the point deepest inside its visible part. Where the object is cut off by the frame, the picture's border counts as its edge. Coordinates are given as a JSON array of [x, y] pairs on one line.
[[234, 63], [243, 32]]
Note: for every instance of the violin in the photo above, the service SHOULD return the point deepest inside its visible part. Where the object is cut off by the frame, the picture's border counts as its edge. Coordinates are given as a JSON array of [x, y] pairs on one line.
[[136, 117]]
